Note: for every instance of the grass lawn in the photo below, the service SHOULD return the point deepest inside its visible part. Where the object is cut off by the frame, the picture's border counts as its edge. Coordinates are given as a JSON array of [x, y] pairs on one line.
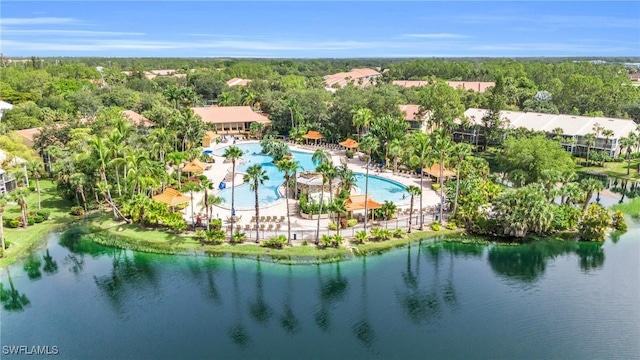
[[631, 208], [614, 169], [23, 241], [381, 246]]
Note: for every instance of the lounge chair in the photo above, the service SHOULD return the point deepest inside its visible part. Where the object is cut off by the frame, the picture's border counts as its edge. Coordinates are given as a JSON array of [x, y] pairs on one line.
[[282, 218], [270, 227], [247, 227]]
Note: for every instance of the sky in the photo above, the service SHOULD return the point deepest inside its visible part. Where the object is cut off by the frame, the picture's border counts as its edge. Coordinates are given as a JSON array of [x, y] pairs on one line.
[[306, 29]]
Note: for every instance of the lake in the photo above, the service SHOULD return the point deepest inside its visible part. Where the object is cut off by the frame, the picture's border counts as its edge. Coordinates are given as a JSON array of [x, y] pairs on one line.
[[446, 300]]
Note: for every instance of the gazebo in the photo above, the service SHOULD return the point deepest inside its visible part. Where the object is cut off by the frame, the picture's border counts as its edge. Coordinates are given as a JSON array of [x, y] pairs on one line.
[[357, 202], [313, 135], [209, 137], [195, 166], [350, 143], [171, 197], [434, 171]]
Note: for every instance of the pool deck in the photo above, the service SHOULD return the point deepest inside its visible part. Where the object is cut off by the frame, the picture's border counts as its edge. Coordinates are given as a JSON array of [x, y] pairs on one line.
[[220, 169]]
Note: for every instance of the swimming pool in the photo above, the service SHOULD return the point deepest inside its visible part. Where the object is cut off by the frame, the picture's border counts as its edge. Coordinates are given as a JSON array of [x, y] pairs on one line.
[[380, 189]]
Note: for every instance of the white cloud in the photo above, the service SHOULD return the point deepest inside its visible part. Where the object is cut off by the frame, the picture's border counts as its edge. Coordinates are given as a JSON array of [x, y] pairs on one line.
[[40, 21], [39, 32], [435, 36]]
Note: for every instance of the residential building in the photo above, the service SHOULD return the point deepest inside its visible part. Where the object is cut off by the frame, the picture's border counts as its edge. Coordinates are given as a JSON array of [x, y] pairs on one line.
[[8, 182], [3, 107], [478, 86], [572, 129], [230, 120], [360, 77], [418, 120], [238, 82]]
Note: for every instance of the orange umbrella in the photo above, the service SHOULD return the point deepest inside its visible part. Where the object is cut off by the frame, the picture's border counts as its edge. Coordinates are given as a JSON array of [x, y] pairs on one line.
[[195, 166], [313, 135], [171, 197]]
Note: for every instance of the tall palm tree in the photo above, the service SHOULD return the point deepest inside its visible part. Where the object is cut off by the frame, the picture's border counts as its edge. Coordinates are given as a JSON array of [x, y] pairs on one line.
[[289, 167], [233, 153], [321, 156], [20, 195], [209, 199], [100, 151], [255, 177], [607, 133], [191, 187], [331, 174], [396, 150], [362, 119], [339, 207], [368, 144], [628, 143], [590, 186], [460, 151], [36, 170], [323, 169], [589, 142], [413, 191], [177, 158], [160, 137], [77, 181], [441, 146], [3, 203], [422, 157]]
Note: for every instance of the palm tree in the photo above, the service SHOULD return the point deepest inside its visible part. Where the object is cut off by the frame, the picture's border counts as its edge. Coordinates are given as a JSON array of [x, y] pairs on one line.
[[177, 158], [3, 202], [233, 153], [339, 207], [422, 157], [331, 174], [255, 176], [441, 145], [323, 169], [460, 151], [160, 137], [19, 195], [590, 186], [36, 170], [607, 133], [362, 119], [191, 187], [368, 144], [209, 199], [589, 141], [77, 180], [347, 177], [413, 191], [100, 150], [396, 150], [172, 93], [321, 156], [628, 142], [289, 167]]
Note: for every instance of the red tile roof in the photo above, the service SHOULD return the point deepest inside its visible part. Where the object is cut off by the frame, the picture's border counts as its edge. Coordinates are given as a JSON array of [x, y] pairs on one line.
[[229, 114], [343, 78]]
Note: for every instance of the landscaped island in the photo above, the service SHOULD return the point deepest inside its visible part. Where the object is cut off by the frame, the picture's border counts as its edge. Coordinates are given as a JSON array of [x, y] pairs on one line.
[[300, 168]]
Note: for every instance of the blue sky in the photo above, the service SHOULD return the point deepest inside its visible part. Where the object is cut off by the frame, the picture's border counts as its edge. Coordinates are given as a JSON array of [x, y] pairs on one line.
[[305, 29]]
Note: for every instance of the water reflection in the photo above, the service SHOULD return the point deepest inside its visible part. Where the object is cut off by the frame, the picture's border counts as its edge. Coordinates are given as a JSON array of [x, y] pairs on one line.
[[526, 263], [288, 320], [259, 309], [237, 331], [591, 255], [331, 289], [50, 265], [11, 298], [362, 328]]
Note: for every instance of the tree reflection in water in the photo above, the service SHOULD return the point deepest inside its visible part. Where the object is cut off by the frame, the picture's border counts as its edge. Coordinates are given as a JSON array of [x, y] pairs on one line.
[[50, 265], [259, 309], [208, 266], [362, 328], [32, 267], [11, 298], [332, 289], [591, 255], [237, 331], [288, 319]]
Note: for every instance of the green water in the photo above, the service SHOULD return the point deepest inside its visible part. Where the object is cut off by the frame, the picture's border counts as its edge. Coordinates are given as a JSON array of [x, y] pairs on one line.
[[443, 301]]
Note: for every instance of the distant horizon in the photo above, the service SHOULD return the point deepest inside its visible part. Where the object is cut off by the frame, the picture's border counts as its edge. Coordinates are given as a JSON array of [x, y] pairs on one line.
[[314, 30], [585, 57]]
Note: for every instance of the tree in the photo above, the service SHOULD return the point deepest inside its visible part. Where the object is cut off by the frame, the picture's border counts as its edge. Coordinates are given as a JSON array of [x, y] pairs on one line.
[[589, 142], [594, 223], [233, 153], [628, 143], [191, 187], [339, 207], [421, 157], [607, 133], [176, 158], [460, 152], [289, 168], [323, 169], [492, 121], [20, 195], [367, 145], [521, 210], [321, 156], [36, 170], [256, 128], [441, 146], [361, 119], [255, 177], [100, 151], [413, 191], [590, 186], [3, 203]]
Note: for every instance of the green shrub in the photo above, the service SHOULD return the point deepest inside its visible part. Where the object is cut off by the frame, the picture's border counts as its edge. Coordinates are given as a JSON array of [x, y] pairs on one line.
[[11, 222], [399, 233], [352, 222], [336, 240], [333, 225], [239, 237], [31, 221], [276, 242], [305, 243], [381, 234], [435, 226], [618, 222], [44, 213], [451, 225], [199, 235], [76, 210], [349, 154], [594, 223], [325, 240], [361, 236], [215, 224], [38, 219], [435, 186], [32, 187], [215, 237]]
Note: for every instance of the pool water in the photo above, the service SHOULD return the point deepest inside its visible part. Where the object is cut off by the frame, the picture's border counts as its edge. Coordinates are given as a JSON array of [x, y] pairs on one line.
[[380, 189]]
